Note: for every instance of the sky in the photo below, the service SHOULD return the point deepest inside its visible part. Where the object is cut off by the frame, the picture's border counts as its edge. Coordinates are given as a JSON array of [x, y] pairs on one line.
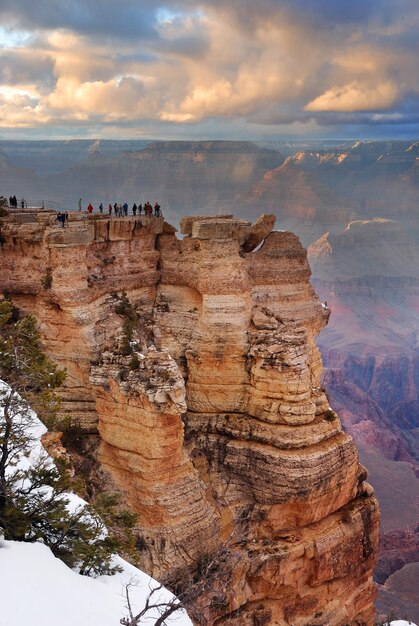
[[184, 69]]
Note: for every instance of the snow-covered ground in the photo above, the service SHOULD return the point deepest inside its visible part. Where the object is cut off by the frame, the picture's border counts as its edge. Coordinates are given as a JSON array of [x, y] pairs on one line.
[[402, 622], [40, 590]]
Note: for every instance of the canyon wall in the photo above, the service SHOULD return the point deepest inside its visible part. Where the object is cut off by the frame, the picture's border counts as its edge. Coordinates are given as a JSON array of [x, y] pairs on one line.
[[204, 384], [369, 275]]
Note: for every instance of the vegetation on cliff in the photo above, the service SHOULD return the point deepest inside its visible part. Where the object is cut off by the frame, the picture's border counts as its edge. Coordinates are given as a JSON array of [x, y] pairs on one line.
[[34, 500], [3, 213]]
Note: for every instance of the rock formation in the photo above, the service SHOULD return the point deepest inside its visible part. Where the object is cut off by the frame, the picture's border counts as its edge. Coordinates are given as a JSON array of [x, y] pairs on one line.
[[204, 384], [65, 275], [369, 275]]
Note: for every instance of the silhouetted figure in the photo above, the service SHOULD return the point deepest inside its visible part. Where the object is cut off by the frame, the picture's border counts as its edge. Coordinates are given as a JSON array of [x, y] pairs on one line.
[[79, 203], [157, 211], [140, 209], [134, 209], [100, 208], [61, 218]]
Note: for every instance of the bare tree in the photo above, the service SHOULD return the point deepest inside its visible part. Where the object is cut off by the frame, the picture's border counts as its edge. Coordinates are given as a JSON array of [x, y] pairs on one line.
[[202, 592], [154, 605]]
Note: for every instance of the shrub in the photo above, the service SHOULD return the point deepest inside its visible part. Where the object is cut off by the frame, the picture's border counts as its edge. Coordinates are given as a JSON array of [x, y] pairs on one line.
[[126, 310], [134, 362], [330, 415], [46, 280]]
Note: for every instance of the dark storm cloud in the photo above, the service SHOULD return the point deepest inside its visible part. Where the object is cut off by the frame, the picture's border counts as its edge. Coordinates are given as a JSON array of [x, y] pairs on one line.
[[131, 18], [126, 18]]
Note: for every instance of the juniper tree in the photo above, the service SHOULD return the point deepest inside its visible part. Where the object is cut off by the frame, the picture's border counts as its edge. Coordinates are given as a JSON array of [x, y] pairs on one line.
[[34, 502], [3, 213]]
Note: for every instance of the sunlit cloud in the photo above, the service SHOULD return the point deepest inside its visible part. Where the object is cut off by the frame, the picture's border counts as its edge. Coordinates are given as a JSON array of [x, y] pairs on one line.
[[10, 93], [355, 97], [299, 65]]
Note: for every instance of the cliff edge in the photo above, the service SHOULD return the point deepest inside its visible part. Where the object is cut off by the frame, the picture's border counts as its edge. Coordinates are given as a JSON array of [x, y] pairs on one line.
[[203, 382]]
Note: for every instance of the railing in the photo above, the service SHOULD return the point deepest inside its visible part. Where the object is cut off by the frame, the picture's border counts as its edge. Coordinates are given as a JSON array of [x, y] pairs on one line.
[[38, 204]]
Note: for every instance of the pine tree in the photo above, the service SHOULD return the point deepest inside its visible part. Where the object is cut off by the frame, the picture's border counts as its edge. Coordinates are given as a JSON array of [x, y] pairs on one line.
[[34, 502]]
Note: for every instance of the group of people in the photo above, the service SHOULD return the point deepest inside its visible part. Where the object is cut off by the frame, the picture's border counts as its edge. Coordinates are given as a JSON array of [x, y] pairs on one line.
[[13, 202], [121, 210], [62, 218]]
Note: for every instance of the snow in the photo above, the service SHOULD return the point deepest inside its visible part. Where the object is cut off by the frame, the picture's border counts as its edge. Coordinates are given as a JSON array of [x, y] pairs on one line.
[[38, 453], [259, 246], [402, 622], [41, 590]]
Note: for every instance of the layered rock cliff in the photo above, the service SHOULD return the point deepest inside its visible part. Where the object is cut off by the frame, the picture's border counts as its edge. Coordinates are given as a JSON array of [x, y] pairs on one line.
[[204, 384]]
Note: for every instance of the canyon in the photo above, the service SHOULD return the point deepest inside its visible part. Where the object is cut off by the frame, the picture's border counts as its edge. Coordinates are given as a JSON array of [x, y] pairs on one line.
[[182, 176], [355, 205], [369, 275], [192, 360]]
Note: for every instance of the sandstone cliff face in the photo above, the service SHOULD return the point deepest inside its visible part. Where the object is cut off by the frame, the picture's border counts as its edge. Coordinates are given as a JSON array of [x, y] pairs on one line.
[[217, 432], [65, 275]]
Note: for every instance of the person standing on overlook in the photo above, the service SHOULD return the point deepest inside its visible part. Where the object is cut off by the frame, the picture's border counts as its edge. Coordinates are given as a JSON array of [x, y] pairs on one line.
[[90, 208], [79, 204]]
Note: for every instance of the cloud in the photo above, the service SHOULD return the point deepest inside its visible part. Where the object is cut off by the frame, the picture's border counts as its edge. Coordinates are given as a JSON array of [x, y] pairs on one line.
[[302, 64], [355, 97], [24, 66], [124, 19]]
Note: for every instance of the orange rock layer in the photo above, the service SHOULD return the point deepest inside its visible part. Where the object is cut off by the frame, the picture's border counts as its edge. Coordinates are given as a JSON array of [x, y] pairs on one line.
[[218, 432]]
